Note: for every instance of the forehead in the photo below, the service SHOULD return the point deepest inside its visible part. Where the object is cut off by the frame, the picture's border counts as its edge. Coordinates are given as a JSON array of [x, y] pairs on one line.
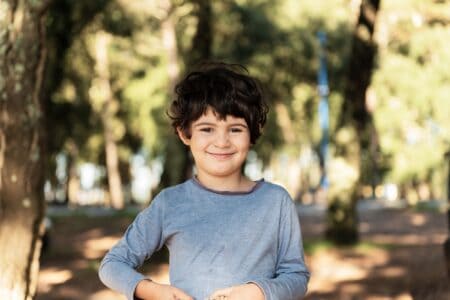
[[211, 116]]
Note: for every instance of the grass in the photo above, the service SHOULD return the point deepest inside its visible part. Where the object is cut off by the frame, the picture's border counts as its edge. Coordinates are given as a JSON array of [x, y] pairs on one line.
[[315, 246]]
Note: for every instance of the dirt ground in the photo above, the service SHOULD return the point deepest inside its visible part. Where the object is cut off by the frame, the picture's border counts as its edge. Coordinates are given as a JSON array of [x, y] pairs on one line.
[[400, 257]]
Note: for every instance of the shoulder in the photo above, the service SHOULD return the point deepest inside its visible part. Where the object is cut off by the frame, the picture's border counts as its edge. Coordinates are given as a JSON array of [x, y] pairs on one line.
[[274, 195], [171, 194], [175, 189], [165, 199], [282, 200], [275, 190], [279, 194]]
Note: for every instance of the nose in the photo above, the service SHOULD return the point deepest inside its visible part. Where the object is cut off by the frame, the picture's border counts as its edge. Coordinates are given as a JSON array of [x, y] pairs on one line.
[[222, 140]]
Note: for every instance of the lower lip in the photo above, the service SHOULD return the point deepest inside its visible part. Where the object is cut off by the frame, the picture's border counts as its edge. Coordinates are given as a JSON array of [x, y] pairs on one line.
[[221, 156]]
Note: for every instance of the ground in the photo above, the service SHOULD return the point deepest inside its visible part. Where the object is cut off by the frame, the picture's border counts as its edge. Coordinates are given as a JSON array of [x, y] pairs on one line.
[[400, 257]]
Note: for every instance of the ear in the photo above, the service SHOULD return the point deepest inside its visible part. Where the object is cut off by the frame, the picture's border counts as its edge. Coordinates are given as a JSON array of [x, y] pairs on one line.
[[183, 137]]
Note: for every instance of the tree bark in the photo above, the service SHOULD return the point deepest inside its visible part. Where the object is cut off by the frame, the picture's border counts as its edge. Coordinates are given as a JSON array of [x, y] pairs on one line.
[[22, 153], [169, 41], [354, 133], [203, 38], [103, 97], [177, 165], [447, 242]]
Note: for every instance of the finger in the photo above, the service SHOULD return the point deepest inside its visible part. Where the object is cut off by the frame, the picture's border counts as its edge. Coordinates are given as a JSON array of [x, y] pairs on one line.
[[222, 297]]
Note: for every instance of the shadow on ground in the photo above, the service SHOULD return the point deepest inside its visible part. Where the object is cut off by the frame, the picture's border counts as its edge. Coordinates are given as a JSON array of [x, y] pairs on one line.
[[400, 257]]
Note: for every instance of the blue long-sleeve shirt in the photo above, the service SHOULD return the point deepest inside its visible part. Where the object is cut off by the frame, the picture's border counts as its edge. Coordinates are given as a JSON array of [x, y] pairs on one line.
[[215, 240]]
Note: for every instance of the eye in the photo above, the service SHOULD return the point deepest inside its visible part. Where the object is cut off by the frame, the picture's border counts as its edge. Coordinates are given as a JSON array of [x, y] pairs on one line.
[[206, 129], [236, 129]]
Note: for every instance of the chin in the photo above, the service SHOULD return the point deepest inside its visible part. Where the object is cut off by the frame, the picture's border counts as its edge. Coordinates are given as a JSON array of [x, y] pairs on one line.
[[222, 173]]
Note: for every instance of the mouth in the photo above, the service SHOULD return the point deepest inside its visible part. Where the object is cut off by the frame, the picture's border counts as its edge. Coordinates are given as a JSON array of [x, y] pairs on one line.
[[221, 155]]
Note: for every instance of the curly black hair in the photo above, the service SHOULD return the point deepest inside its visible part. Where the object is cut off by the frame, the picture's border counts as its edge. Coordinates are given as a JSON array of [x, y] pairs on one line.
[[227, 89]]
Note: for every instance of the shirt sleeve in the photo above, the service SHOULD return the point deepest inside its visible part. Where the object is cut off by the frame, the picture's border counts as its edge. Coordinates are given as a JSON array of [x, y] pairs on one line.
[[291, 275], [143, 237]]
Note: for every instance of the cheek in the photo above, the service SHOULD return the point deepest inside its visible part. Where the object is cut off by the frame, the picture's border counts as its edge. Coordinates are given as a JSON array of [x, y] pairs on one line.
[[243, 143], [199, 144]]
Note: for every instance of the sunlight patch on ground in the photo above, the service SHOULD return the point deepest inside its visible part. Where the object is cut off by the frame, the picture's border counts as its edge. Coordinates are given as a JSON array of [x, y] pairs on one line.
[[418, 220], [404, 296], [106, 294], [393, 272], [352, 288], [160, 274], [97, 247], [329, 268], [409, 239], [52, 276], [69, 292]]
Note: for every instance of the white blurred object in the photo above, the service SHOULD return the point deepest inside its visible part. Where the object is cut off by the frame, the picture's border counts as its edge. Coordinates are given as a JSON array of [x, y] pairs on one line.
[[391, 192]]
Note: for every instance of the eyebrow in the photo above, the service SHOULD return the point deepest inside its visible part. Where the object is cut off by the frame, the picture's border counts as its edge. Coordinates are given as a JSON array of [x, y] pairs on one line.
[[213, 124]]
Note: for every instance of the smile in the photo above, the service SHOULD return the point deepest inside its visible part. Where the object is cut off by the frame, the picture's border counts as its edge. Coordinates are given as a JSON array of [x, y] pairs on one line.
[[220, 155]]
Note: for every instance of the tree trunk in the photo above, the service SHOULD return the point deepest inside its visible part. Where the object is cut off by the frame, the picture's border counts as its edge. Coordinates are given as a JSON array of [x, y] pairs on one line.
[[354, 131], [169, 41], [447, 242], [72, 186], [178, 155], [202, 41], [22, 56], [177, 165], [103, 99], [67, 19]]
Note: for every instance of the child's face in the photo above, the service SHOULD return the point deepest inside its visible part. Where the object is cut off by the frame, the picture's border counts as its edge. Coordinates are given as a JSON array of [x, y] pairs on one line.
[[219, 147]]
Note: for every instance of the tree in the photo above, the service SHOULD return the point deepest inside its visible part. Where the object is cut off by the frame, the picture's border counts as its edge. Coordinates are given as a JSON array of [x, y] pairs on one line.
[[82, 93], [22, 151], [67, 122], [106, 106], [178, 163], [408, 91], [354, 132]]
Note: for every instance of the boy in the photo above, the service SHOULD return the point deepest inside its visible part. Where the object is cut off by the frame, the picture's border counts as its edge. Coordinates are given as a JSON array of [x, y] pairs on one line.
[[228, 237]]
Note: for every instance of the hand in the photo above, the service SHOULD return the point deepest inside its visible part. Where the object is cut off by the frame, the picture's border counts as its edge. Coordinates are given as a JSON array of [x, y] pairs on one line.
[[149, 290], [249, 291]]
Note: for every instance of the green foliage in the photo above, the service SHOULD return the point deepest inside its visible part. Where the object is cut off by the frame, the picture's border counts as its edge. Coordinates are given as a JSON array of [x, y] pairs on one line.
[[410, 83], [316, 246], [142, 97], [276, 41]]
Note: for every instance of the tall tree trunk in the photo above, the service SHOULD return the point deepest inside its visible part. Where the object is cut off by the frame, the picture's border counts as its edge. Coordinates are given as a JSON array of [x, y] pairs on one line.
[[62, 29], [178, 164], [447, 242], [22, 56], [178, 155], [354, 133], [203, 38], [103, 98], [169, 41]]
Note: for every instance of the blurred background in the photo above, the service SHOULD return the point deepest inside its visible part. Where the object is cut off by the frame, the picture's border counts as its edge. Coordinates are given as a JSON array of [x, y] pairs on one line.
[[358, 131]]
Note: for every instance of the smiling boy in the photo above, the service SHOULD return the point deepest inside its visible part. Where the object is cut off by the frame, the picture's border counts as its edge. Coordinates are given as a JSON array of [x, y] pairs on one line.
[[228, 237]]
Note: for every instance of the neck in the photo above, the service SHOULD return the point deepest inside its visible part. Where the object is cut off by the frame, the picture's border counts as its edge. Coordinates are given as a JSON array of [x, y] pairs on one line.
[[238, 183]]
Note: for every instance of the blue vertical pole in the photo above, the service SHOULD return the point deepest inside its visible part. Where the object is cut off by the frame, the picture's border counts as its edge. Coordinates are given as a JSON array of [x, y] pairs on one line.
[[322, 79]]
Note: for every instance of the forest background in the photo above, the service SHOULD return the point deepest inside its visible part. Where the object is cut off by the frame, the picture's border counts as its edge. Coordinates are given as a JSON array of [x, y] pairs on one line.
[[95, 131]]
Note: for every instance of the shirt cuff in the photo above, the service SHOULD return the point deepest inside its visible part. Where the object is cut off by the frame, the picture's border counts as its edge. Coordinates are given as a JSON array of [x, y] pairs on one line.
[[262, 286], [133, 282]]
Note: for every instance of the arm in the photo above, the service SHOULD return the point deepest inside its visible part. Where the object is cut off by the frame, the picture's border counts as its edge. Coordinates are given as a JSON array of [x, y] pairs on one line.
[[149, 290], [249, 291], [142, 238], [291, 276]]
